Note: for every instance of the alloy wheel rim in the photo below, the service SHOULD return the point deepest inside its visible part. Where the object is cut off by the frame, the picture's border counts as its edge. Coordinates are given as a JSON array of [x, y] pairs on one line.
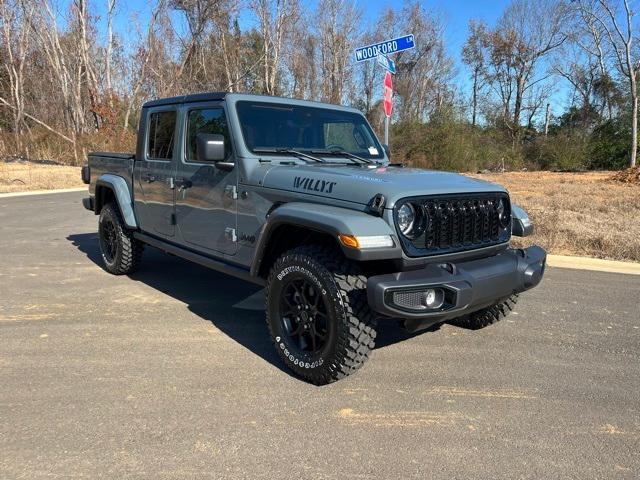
[[108, 239], [304, 316]]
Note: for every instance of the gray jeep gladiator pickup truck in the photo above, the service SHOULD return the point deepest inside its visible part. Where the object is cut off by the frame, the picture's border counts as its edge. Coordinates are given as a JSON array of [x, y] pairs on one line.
[[302, 198]]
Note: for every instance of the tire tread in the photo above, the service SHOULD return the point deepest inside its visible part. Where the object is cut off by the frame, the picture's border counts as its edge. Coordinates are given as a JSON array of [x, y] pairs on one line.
[[487, 316], [355, 342], [131, 249]]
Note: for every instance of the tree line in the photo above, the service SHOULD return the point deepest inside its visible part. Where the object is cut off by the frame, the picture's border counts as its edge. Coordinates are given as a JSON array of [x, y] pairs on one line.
[[552, 84]]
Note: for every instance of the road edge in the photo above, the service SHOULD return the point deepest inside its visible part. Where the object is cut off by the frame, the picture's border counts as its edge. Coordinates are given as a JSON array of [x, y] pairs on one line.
[[593, 264], [42, 192]]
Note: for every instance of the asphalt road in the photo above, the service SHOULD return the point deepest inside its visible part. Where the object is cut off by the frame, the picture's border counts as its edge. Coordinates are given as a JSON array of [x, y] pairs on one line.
[[170, 374]]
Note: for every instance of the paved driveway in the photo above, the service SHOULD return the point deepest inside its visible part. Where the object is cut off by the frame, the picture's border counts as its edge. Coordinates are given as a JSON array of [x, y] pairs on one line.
[[170, 374]]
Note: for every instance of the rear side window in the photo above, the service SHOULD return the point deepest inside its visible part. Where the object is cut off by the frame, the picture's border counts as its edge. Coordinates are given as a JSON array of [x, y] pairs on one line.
[[162, 128], [206, 120]]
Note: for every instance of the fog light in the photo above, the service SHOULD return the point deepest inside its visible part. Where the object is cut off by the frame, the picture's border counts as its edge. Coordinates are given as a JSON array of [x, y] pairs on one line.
[[419, 300], [433, 298]]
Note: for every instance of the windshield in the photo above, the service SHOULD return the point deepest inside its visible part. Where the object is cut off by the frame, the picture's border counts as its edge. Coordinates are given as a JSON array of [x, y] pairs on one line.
[[281, 126]]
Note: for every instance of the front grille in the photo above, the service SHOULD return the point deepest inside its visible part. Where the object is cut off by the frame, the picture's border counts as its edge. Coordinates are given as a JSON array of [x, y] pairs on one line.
[[456, 223]]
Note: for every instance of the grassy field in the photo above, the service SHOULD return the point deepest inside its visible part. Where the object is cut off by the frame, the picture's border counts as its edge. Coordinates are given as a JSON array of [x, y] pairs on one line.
[[578, 213], [19, 176], [573, 213]]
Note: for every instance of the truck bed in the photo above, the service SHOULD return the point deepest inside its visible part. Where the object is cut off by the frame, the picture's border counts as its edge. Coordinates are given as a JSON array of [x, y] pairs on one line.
[[120, 164]]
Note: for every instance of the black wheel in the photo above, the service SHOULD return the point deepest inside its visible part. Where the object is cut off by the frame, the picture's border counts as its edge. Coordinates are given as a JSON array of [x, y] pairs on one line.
[[318, 315], [487, 316], [121, 253]]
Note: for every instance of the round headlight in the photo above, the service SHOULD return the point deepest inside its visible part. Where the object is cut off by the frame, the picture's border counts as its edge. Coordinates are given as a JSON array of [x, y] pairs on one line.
[[504, 213], [406, 218]]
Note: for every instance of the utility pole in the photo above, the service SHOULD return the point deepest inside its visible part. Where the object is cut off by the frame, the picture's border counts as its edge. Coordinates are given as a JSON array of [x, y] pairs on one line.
[[546, 121]]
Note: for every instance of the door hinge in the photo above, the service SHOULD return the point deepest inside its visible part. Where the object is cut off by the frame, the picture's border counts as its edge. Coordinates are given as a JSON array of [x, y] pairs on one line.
[[230, 234], [231, 191]]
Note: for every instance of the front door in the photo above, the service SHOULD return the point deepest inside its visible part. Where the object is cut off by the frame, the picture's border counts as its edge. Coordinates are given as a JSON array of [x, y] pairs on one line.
[[155, 173], [205, 195]]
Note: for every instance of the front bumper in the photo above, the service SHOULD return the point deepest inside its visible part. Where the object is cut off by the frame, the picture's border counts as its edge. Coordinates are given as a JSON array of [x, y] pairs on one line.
[[468, 286]]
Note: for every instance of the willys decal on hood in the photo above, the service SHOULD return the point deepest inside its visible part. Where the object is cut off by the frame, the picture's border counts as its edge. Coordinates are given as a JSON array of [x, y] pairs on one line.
[[353, 183]]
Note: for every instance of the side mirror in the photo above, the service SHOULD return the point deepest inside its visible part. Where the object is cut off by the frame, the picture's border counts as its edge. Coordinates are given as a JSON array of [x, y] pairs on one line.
[[385, 147], [209, 147], [520, 224]]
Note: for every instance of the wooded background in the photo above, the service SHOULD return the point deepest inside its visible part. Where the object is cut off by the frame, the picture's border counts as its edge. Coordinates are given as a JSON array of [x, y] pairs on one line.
[[70, 84]]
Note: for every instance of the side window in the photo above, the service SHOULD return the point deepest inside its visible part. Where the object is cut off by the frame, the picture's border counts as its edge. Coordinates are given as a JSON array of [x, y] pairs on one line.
[[162, 128], [206, 120]]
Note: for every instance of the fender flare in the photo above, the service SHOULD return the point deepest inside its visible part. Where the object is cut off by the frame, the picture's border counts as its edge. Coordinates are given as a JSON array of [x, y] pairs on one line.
[[330, 220], [521, 226], [120, 189]]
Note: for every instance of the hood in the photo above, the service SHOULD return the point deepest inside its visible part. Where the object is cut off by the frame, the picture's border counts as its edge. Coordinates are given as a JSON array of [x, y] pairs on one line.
[[352, 183]]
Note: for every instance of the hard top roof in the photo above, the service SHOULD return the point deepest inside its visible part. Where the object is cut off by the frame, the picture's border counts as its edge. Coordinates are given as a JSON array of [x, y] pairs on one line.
[[195, 97], [218, 96]]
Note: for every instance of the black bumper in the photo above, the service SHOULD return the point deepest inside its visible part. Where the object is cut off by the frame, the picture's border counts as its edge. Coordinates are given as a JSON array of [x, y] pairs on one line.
[[468, 286]]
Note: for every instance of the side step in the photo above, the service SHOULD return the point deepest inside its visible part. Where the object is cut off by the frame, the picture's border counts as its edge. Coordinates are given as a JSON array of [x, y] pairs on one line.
[[203, 260]]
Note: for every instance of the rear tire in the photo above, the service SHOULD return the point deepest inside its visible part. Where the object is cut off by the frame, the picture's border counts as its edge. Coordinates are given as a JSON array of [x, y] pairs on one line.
[[487, 316], [121, 253], [318, 314]]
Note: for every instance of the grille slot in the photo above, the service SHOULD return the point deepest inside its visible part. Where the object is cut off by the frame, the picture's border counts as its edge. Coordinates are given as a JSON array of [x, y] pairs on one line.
[[412, 300], [458, 223]]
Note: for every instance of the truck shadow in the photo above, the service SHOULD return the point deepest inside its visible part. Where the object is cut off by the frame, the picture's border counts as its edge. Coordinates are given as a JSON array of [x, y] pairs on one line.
[[233, 306]]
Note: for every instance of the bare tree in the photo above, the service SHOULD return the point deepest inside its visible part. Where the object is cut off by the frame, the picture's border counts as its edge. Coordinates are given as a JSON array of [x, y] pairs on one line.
[[425, 73], [617, 28], [275, 18], [15, 18], [337, 29], [473, 56], [525, 34], [301, 64], [143, 56], [111, 4]]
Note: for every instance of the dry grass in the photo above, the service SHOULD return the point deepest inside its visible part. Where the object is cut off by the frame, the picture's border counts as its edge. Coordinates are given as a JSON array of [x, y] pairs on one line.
[[20, 176], [578, 213]]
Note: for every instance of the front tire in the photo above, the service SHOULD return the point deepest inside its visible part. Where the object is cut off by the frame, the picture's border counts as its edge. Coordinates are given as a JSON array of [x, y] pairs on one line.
[[487, 316], [318, 315], [121, 253]]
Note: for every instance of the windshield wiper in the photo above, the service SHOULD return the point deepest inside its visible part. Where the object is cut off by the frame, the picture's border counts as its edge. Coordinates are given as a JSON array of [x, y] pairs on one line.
[[341, 153], [289, 151]]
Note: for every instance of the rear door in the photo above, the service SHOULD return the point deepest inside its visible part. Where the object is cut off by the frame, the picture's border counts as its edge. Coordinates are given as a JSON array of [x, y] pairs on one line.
[[205, 195], [155, 172]]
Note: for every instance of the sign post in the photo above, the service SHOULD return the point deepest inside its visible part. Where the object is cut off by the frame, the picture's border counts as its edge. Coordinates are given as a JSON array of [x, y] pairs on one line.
[[388, 104], [380, 52]]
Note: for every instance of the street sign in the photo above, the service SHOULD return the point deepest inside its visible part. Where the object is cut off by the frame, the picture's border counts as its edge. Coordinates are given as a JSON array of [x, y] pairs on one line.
[[390, 46], [388, 94], [387, 63]]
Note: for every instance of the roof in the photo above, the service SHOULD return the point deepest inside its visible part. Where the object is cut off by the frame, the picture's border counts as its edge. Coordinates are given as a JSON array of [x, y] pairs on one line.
[[218, 96], [196, 97]]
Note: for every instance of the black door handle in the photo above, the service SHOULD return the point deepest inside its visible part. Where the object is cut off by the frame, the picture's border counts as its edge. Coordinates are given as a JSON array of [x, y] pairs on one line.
[[184, 183]]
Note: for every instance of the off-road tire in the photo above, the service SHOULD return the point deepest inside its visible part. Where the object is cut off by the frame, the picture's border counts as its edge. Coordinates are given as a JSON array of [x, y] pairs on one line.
[[487, 316], [343, 288], [128, 250]]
